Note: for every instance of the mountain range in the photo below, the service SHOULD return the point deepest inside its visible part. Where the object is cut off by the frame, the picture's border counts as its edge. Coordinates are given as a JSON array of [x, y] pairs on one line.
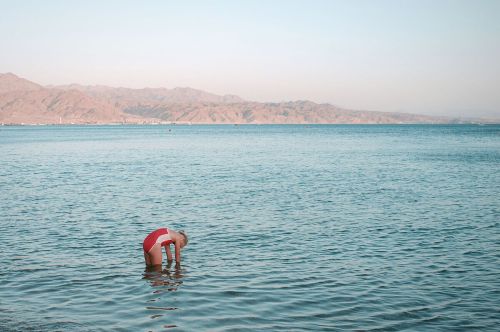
[[26, 102]]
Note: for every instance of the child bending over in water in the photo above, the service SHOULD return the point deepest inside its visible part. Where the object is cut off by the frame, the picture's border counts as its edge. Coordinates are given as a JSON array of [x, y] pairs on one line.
[[163, 237]]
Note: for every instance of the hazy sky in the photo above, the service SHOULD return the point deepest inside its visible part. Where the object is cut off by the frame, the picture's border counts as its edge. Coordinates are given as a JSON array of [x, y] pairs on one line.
[[432, 57]]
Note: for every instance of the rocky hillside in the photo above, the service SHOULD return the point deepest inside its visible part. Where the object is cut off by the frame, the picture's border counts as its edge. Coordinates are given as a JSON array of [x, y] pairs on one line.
[[133, 97], [297, 112], [25, 102], [10, 82]]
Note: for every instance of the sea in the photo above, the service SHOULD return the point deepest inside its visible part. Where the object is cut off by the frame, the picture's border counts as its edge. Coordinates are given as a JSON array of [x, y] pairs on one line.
[[291, 227]]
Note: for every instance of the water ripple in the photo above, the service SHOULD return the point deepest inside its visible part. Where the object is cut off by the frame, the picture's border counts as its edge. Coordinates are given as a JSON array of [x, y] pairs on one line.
[[366, 228]]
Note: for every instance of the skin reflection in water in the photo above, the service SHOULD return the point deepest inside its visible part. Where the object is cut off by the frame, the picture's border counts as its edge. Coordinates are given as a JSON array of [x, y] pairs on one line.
[[163, 280]]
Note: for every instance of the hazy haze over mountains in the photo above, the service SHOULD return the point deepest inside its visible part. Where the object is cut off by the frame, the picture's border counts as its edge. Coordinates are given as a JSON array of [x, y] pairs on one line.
[[25, 102]]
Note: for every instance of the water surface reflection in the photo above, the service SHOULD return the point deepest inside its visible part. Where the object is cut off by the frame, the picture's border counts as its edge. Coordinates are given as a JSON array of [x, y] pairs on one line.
[[163, 280]]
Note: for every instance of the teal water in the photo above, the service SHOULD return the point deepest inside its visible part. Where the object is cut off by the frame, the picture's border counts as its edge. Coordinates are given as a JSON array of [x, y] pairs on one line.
[[291, 228]]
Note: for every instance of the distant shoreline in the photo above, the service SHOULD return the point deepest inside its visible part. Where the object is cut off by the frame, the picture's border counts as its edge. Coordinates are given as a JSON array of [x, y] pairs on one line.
[[243, 124], [23, 102]]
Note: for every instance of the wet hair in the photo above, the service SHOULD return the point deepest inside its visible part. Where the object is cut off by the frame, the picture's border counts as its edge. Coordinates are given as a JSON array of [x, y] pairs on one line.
[[185, 237]]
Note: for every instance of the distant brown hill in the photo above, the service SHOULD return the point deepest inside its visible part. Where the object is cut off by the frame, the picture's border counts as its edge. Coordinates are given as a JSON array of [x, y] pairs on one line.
[[56, 106], [22, 101], [296, 112], [25, 102], [10, 82], [134, 97]]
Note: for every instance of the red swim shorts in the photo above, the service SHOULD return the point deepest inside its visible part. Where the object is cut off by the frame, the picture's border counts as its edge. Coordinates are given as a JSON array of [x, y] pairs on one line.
[[159, 236]]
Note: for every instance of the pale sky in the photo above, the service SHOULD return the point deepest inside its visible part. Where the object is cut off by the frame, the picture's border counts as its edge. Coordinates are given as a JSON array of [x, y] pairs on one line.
[[435, 57]]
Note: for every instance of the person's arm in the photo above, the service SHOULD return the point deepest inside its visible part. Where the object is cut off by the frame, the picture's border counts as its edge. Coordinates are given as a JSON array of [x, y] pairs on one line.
[[168, 252], [177, 251]]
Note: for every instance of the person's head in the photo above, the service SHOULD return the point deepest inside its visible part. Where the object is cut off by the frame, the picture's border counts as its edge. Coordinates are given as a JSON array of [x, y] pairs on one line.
[[184, 238]]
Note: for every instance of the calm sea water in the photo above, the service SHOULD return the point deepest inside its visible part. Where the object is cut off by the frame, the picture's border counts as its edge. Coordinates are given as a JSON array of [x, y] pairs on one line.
[[291, 228]]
